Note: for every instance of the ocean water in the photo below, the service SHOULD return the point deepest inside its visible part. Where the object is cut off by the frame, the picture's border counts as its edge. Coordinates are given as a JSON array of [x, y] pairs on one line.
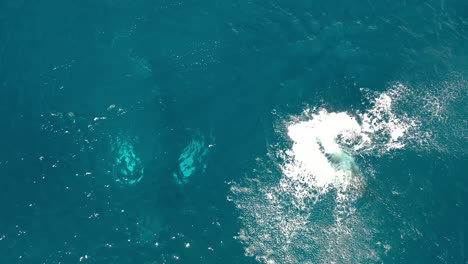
[[233, 131]]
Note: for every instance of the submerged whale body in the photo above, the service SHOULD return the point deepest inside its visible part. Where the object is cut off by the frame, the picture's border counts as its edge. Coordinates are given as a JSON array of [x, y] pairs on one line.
[[192, 159], [127, 168]]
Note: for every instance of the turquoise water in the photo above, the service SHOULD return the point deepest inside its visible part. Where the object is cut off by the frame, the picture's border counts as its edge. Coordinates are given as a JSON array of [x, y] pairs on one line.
[[233, 131]]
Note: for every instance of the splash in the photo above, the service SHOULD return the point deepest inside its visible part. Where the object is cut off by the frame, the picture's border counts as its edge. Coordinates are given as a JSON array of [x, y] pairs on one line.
[[305, 209], [325, 143], [316, 158]]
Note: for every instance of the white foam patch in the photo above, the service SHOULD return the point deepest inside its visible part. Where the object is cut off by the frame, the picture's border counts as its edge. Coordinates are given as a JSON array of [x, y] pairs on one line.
[[325, 143], [315, 143], [309, 212], [388, 129]]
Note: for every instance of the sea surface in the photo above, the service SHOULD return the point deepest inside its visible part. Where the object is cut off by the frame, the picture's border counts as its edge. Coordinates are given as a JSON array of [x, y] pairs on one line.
[[254, 131]]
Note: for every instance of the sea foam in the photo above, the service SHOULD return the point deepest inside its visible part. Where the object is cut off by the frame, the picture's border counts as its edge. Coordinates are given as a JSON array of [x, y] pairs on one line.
[[306, 208]]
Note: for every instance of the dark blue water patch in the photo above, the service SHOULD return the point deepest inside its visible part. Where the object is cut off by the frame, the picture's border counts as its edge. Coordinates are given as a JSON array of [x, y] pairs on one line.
[[419, 224]]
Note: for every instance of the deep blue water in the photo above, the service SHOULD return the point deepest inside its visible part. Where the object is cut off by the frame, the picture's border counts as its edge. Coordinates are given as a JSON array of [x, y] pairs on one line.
[[146, 131]]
